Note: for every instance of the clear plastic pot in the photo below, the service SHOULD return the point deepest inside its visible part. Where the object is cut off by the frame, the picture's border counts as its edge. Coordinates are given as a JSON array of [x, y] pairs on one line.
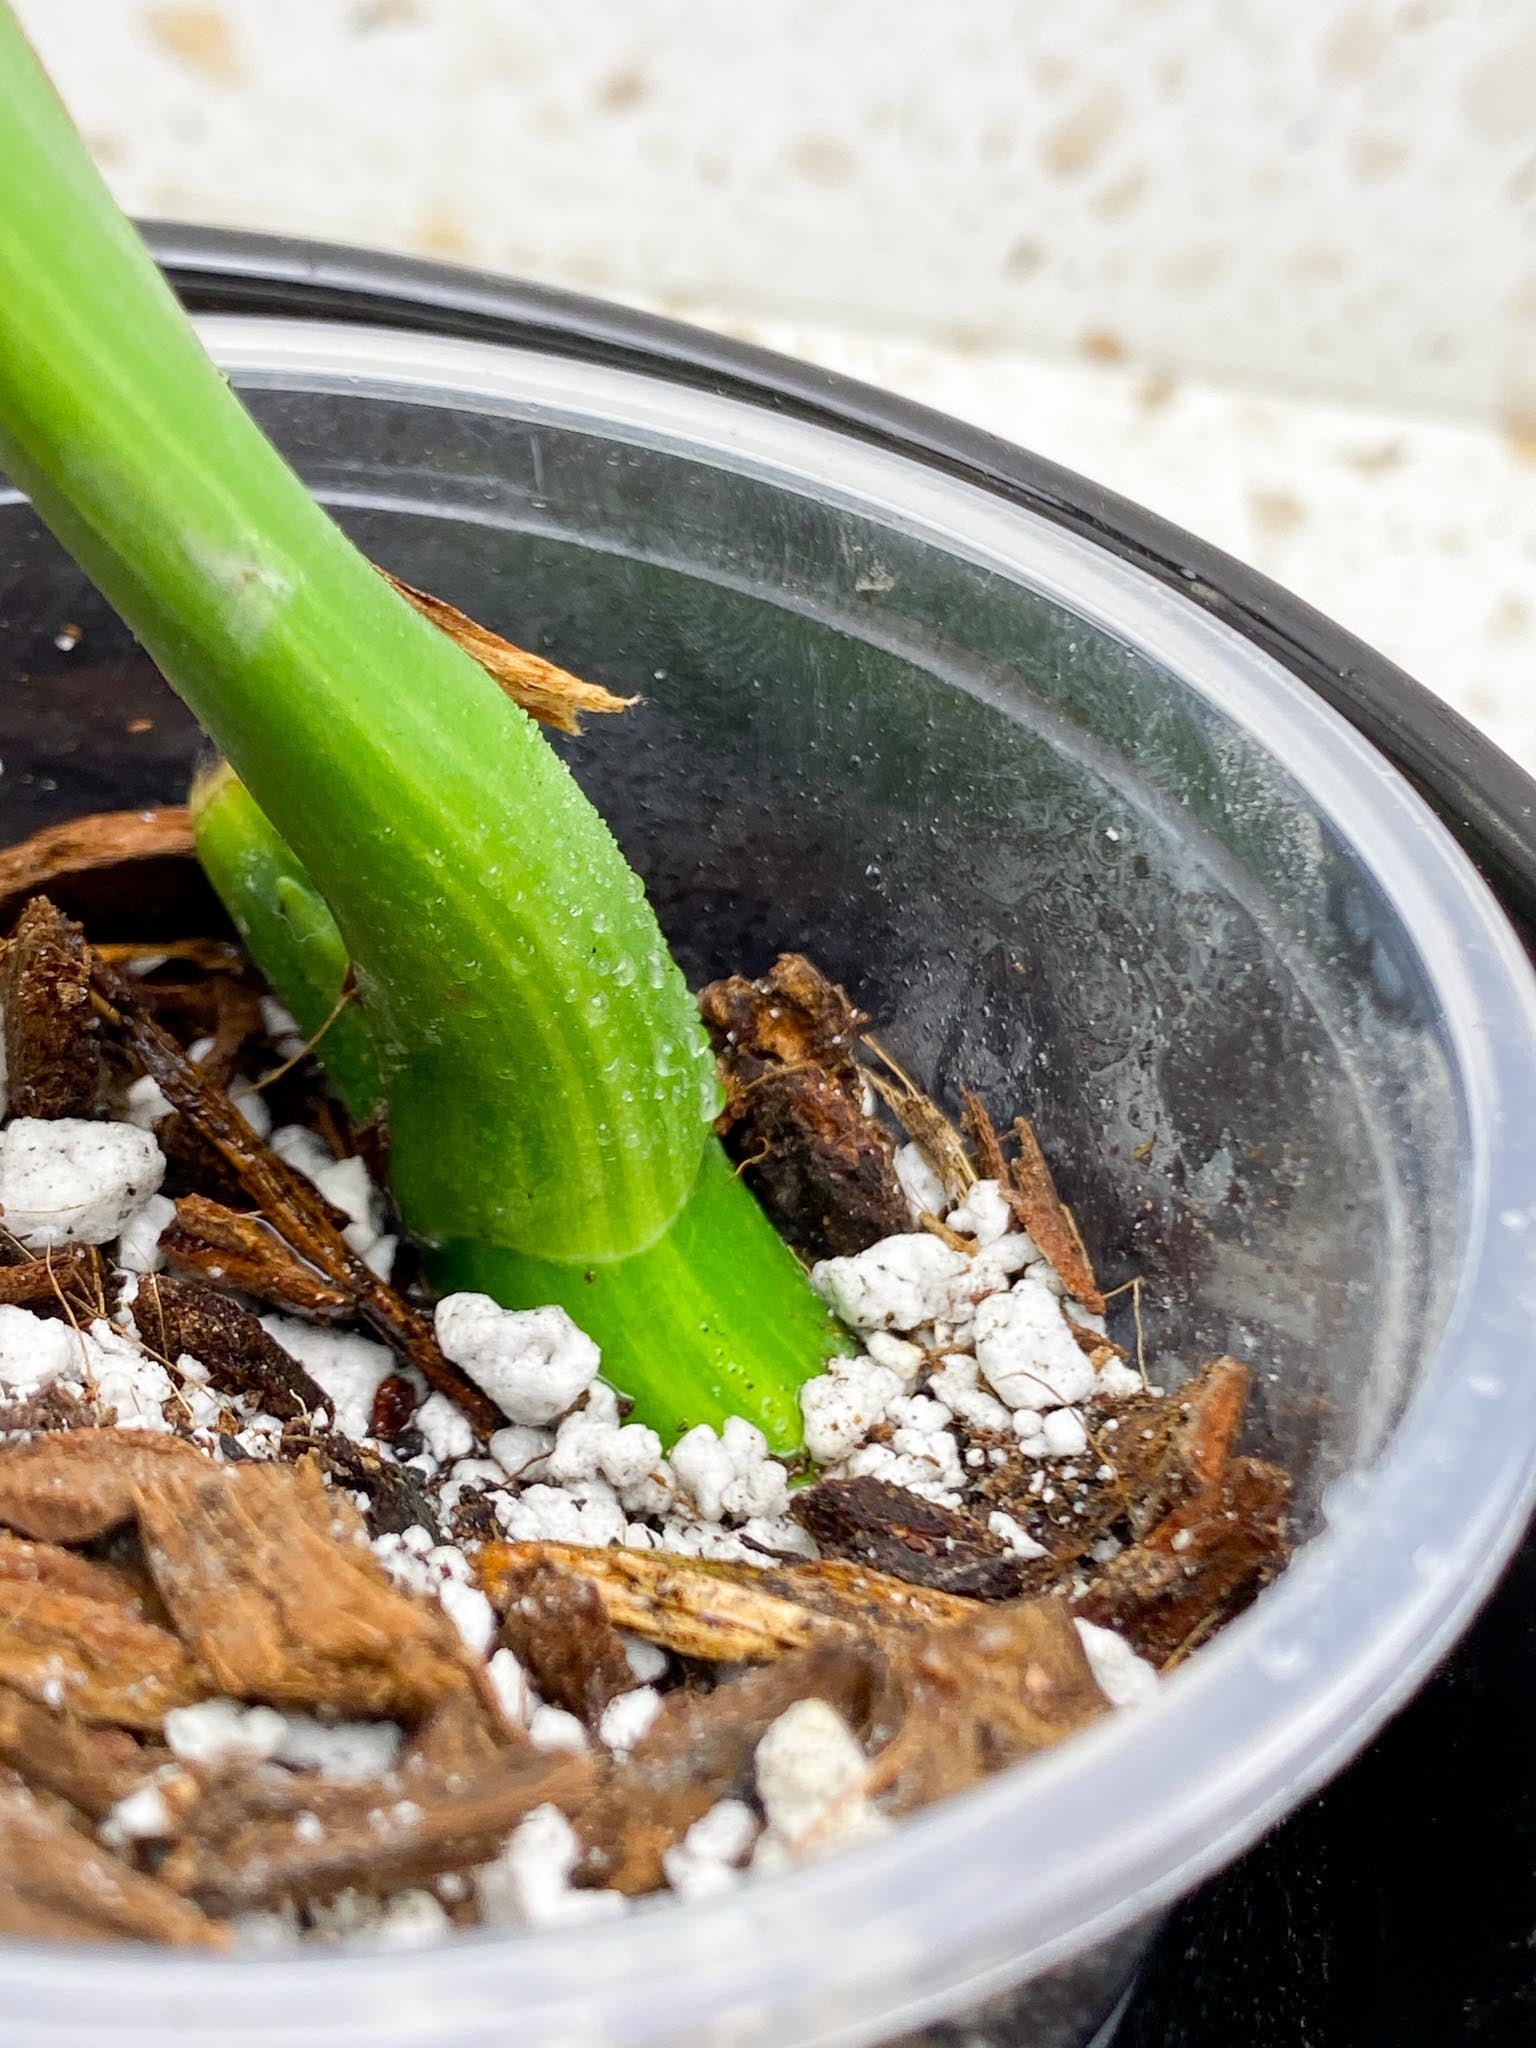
[[1074, 839]]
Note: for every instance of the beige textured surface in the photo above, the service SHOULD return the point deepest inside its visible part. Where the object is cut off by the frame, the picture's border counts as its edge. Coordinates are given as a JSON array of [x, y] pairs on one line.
[[1268, 266], [1329, 193]]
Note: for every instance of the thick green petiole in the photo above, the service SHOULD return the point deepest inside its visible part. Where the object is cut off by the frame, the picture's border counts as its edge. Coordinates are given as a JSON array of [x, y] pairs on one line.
[[547, 1082], [289, 931]]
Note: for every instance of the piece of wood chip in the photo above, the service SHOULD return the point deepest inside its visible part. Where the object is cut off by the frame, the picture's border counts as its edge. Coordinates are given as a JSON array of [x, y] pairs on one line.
[[27, 1562], [59, 1753], [794, 1116], [699, 1750], [52, 1033], [962, 1703], [57, 1884], [556, 1624], [667, 1599], [923, 1122], [270, 1582], [892, 1530], [260, 1837], [67, 1282], [179, 1316], [95, 1659], [1040, 1210], [61, 855], [551, 695], [397, 1494], [731, 1612], [242, 1252], [74, 1485], [290, 1203], [1199, 1566]]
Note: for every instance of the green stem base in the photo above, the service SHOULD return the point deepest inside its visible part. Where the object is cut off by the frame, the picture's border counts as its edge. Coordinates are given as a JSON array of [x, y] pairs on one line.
[[713, 1320]]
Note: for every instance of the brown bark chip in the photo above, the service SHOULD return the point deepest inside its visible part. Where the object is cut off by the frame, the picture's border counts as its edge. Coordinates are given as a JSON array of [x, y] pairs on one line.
[[60, 856], [74, 1485], [732, 1613], [176, 1316], [699, 1749], [1040, 1210], [58, 1753], [680, 1603], [794, 1115], [98, 1661], [873, 1523], [294, 1208], [270, 1582], [52, 1033], [67, 1282], [1199, 1566], [56, 1884], [967, 1701], [260, 1837], [240, 1251], [551, 695], [557, 1627], [25, 1562]]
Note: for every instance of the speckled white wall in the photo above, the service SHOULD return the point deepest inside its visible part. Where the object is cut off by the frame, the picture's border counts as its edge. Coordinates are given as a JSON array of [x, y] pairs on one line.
[[1330, 193]]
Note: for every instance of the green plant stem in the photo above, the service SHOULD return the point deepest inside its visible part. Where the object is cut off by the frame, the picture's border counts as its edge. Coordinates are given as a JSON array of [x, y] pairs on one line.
[[548, 1085], [289, 931]]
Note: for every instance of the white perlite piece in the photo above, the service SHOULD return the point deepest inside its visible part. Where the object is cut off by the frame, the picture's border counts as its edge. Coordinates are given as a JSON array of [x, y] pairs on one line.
[[347, 1752], [138, 1245], [1062, 1433], [707, 1861], [730, 1477], [418, 1564], [346, 1184], [811, 1780], [592, 1443], [954, 1382], [66, 1181], [1125, 1679], [140, 1816], [553, 1728], [897, 1284], [520, 1451], [842, 1405], [626, 1718], [587, 1512], [984, 1214], [529, 1884], [145, 1103], [404, 1920], [471, 1614], [1026, 1353], [648, 1661], [228, 1731], [444, 1429], [509, 1682], [224, 1731], [534, 1363], [925, 1192], [37, 1350], [252, 1105], [127, 1379], [348, 1368], [1014, 1534]]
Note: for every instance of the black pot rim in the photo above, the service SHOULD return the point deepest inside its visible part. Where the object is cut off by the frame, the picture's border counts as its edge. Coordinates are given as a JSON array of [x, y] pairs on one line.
[[1485, 799]]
